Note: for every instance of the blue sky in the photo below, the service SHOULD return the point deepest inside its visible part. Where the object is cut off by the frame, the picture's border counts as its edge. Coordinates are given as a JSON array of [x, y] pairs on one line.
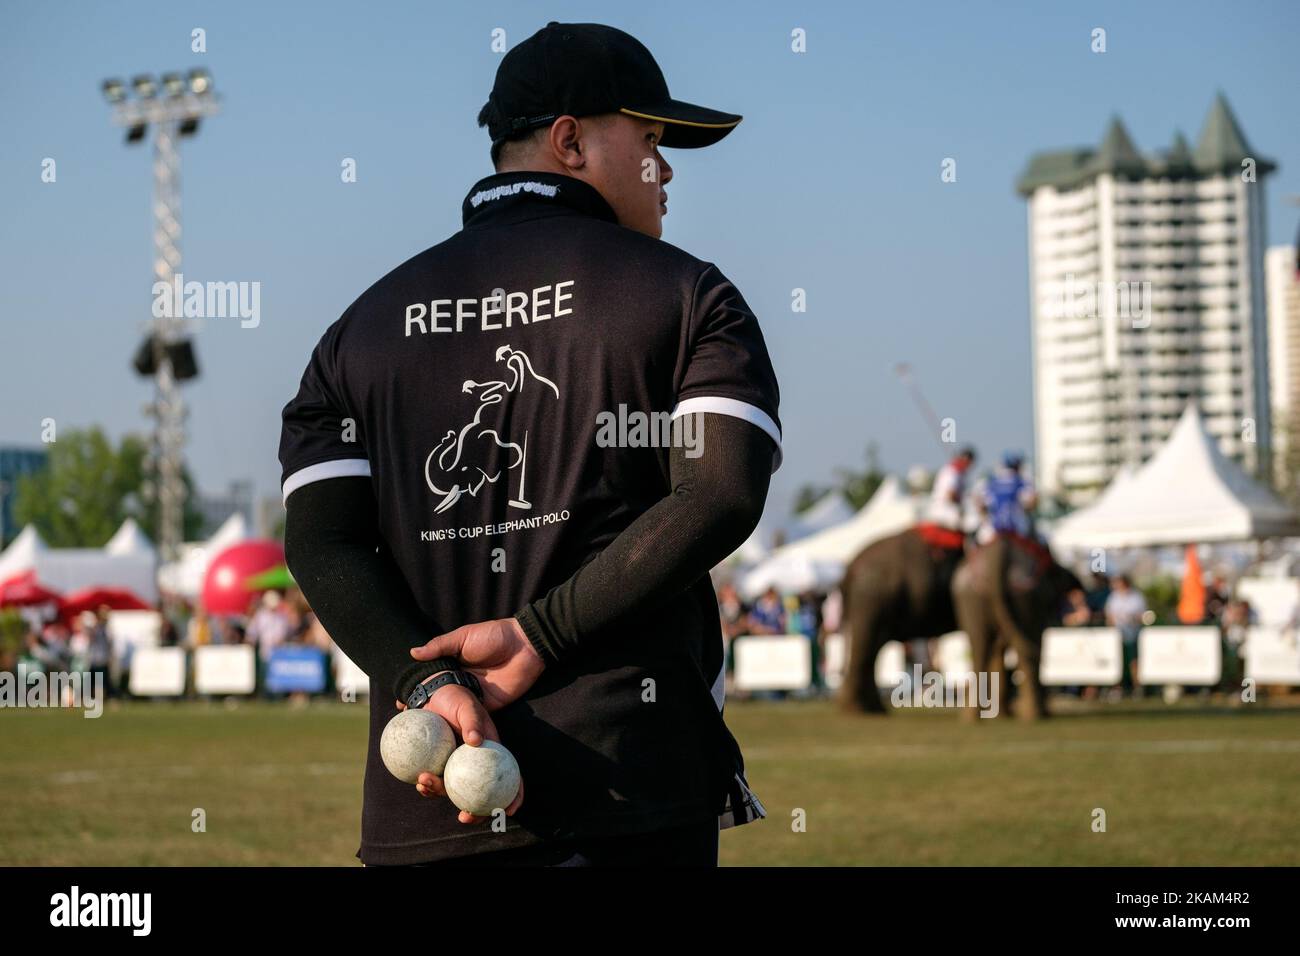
[[831, 184]]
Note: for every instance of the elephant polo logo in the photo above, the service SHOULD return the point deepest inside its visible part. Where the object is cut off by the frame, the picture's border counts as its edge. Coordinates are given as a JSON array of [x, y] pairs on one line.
[[467, 458]]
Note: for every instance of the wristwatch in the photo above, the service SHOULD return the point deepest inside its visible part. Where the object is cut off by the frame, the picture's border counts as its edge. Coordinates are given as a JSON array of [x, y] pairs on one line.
[[420, 696]]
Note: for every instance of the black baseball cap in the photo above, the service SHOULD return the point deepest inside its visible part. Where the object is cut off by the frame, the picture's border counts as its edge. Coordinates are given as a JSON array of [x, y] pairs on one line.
[[582, 69]]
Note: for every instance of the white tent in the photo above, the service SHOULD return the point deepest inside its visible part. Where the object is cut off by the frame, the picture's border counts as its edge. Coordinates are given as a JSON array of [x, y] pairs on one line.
[[829, 510], [70, 569], [754, 549], [791, 574], [1188, 492], [22, 553], [890, 510], [185, 576], [818, 561], [129, 539]]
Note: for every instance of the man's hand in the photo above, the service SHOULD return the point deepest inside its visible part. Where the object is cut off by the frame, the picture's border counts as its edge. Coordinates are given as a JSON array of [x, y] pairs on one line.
[[470, 722], [497, 652]]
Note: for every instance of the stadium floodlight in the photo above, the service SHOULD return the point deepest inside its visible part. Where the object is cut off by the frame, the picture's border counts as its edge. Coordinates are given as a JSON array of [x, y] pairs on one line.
[[167, 353], [173, 84]]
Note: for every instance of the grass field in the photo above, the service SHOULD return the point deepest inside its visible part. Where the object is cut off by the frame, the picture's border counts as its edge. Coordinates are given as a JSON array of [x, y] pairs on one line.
[[1182, 785]]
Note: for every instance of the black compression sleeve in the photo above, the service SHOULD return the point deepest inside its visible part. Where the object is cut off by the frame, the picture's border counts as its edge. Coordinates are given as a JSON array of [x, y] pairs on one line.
[[715, 502], [332, 546]]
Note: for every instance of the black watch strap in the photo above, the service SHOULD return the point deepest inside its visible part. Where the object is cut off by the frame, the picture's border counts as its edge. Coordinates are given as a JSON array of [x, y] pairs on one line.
[[420, 696]]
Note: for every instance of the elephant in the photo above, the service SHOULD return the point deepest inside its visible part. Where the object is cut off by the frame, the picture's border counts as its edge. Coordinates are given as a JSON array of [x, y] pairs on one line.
[[1005, 593], [897, 588]]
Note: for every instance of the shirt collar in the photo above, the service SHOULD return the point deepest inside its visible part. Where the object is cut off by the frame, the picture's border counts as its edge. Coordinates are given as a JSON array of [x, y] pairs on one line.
[[516, 196]]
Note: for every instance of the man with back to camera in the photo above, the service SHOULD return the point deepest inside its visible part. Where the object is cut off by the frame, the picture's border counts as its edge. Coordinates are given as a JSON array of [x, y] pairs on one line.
[[445, 466]]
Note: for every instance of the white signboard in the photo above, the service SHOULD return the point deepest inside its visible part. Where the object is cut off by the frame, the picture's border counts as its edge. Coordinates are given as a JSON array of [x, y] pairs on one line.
[[349, 679], [1084, 656], [952, 655], [835, 648], [158, 672], [891, 664], [133, 629], [225, 669], [777, 662], [1179, 655], [1272, 599], [1272, 655]]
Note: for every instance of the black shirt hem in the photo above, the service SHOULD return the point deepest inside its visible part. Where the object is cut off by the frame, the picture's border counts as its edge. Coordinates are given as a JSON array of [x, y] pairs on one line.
[[479, 838]]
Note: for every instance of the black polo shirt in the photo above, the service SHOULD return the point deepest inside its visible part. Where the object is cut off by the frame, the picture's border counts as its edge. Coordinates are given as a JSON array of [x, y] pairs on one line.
[[479, 385]]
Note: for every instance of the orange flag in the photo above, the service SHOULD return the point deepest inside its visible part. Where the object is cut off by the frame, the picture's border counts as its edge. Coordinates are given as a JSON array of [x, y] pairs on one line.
[[1191, 605]]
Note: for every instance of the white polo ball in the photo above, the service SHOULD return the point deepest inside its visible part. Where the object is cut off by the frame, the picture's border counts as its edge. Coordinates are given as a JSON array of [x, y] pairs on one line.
[[482, 779], [415, 742]]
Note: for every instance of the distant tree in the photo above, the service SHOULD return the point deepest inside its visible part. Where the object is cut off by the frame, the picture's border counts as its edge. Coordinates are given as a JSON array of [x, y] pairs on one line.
[[857, 487], [1287, 485], [89, 488], [809, 495]]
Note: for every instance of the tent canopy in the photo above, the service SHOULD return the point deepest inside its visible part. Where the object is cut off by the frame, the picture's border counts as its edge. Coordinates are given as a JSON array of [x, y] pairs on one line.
[[129, 539], [1188, 492], [185, 576], [22, 553], [890, 510], [818, 561], [66, 569], [829, 510]]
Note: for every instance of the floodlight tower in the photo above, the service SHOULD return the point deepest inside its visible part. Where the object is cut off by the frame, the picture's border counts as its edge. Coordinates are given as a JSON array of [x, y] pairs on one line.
[[172, 106]]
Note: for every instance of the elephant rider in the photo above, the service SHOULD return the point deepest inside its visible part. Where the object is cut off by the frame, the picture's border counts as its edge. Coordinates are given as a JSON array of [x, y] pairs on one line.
[[949, 492], [1008, 500]]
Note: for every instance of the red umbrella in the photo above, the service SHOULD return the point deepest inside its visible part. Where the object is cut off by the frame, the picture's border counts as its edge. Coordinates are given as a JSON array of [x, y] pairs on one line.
[[23, 589], [90, 599]]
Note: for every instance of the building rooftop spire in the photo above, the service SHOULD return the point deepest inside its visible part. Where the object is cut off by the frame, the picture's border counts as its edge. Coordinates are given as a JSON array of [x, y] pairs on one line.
[[1117, 152], [1222, 142], [1221, 148], [1180, 153]]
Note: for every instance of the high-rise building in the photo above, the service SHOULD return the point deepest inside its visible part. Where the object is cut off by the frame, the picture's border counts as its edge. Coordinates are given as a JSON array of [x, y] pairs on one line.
[[15, 463], [1282, 276], [1146, 293]]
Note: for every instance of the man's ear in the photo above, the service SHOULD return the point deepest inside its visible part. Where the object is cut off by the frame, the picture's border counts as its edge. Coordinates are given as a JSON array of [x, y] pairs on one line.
[[565, 142]]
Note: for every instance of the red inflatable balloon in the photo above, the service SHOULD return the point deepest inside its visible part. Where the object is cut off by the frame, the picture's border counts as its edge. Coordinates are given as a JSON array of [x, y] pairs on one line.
[[225, 589]]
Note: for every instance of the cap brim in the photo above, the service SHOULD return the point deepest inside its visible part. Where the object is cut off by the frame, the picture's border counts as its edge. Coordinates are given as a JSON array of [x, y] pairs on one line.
[[687, 126]]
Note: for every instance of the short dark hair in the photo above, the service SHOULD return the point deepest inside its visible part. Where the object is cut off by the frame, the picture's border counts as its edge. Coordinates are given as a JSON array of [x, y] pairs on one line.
[[487, 115]]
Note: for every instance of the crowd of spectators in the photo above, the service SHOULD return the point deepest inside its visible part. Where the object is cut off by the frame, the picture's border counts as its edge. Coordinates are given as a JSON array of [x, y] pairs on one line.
[[1117, 602], [274, 619], [1104, 602], [810, 615]]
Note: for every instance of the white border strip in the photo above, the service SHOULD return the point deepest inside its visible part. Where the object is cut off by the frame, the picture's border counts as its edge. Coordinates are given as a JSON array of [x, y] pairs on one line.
[[736, 409], [339, 468]]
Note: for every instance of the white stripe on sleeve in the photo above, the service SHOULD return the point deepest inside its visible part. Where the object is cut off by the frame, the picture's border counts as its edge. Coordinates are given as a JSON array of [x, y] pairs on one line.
[[339, 468], [736, 409]]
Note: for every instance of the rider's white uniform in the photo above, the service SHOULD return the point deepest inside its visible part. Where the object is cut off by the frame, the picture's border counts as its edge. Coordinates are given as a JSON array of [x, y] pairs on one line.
[[949, 483]]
